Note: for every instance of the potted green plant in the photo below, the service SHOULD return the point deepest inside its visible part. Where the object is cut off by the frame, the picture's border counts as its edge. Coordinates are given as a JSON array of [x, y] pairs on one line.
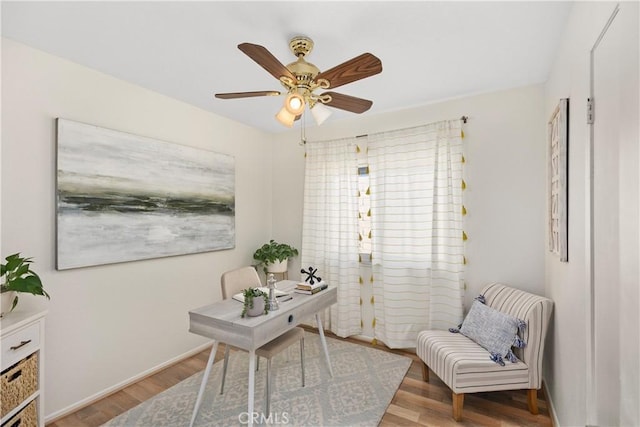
[[274, 256], [18, 277], [255, 302]]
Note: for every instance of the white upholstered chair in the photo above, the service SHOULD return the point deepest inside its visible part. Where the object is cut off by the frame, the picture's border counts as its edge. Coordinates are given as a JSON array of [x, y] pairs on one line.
[[234, 282], [465, 367]]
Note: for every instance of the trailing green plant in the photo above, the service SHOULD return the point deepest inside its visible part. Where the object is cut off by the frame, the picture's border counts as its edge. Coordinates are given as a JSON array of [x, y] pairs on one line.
[[251, 293], [19, 277], [273, 252]]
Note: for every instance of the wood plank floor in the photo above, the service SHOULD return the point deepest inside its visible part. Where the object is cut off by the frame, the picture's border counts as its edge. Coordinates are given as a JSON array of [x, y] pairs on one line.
[[416, 403]]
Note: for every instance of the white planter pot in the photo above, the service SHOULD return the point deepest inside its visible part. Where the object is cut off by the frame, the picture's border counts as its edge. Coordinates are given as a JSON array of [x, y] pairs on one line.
[[258, 307], [6, 300], [278, 267]]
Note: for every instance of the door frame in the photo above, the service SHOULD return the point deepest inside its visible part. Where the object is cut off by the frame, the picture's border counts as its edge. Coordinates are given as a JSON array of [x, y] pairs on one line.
[[591, 401]]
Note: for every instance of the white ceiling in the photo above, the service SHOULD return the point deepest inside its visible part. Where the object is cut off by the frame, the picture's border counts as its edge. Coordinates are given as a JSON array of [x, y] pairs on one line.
[[430, 51]]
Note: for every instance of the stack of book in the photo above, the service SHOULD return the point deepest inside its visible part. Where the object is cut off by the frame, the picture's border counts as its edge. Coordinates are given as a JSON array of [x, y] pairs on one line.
[[306, 288]]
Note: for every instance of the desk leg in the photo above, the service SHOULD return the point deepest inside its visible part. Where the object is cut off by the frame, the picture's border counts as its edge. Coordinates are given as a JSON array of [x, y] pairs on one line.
[[205, 378], [324, 343], [252, 378]]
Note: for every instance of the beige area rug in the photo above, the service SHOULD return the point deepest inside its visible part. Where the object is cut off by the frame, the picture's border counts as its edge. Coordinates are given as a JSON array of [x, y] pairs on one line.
[[363, 384]]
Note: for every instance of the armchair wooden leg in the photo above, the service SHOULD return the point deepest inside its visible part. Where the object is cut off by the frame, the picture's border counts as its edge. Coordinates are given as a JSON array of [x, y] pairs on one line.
[[425, 372], [458, 402], [532, 400]]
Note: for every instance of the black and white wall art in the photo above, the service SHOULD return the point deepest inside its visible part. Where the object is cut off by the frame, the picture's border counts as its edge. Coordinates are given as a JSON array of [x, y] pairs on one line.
[[123, 197]]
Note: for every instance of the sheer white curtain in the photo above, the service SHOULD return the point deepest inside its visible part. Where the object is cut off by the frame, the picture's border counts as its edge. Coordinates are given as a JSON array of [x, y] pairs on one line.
[[416, 213], [330, 227]]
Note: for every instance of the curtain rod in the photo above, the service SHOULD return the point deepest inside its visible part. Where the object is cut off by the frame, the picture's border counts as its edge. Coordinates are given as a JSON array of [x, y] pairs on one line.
[[304, 141]]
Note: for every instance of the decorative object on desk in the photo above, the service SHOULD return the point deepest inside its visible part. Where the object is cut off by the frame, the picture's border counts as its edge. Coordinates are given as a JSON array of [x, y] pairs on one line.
[[310, 286], [273, 302], [304, 288], [274, 256], [255, 302], [123, 197], [280, 295], [364, 382], [311, 275], [18, 277]]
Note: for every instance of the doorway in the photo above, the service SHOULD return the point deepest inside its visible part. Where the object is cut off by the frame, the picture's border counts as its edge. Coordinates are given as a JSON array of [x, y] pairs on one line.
[[615, 222]]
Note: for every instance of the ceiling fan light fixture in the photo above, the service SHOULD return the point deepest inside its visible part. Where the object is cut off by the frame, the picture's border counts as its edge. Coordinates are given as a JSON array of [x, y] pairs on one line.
[[285, 117], [294, 103], [320, 113], [301, 79]]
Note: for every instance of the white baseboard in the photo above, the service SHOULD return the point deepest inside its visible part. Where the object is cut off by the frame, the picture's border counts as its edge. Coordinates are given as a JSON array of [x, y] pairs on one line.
[[552, 410], [117, 387], [364, 338]]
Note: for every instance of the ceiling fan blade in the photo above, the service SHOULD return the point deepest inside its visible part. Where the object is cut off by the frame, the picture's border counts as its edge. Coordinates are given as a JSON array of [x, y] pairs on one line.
[[235, 95], [360, 67], [266, 60], [348, 103]]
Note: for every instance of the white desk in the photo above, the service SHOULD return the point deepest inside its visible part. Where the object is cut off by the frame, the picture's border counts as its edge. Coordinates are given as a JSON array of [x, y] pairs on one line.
[[221, 321]]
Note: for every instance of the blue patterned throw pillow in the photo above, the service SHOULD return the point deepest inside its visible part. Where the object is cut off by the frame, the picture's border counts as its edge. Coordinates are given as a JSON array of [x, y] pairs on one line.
[[495, 331]]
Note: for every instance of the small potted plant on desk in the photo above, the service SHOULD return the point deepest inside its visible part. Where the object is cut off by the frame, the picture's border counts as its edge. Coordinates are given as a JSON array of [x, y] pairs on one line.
[[18, 277], [255, 302], [274, 256]]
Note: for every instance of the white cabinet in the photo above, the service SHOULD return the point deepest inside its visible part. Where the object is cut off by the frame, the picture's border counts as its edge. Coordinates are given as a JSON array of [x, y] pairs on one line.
[[21, 359]]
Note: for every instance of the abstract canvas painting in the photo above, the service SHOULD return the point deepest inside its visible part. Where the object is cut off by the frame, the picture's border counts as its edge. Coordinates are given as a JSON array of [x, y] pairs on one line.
[[123, 197]]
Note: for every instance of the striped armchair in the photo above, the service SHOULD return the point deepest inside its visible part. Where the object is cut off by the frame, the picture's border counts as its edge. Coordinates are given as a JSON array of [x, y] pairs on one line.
[[466, 367]]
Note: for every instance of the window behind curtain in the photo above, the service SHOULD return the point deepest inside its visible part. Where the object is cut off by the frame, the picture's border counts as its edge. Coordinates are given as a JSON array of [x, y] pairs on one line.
[[416, 222], [408, 217], [330, 227]]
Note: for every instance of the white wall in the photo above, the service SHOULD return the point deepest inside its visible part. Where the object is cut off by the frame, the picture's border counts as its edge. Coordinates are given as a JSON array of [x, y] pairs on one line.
[[505, 174], [566, 365], [110, 323]]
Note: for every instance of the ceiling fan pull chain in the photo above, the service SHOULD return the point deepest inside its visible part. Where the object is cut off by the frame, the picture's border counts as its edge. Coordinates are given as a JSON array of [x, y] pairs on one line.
[[303, 131]]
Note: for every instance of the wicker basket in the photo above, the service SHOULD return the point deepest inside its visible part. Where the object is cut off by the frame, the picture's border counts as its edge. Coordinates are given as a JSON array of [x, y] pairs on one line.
[[27, 417], [18, 382]]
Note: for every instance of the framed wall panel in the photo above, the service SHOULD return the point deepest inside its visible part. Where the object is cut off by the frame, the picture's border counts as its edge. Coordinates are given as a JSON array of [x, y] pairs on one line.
[[558, 129]]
